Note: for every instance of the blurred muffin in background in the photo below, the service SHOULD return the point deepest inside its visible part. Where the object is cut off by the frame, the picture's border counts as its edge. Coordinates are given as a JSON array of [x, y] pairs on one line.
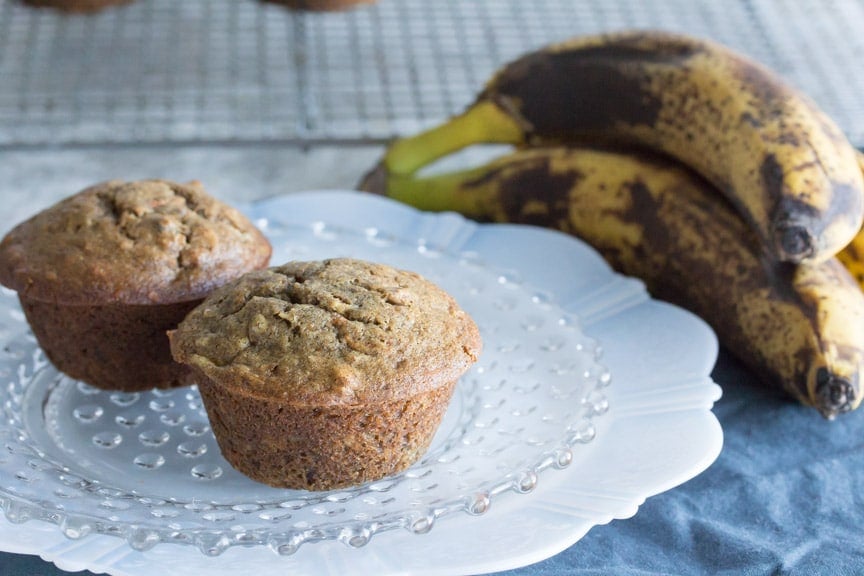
[[321, 5], [76, 6]]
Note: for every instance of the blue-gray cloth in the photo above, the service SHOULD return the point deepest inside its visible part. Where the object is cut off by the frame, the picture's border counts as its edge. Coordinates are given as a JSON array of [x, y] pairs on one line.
[[783, 498]]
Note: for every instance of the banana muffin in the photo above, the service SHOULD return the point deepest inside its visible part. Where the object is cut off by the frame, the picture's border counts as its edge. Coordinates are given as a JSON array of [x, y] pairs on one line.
[[104, 274], [78, 6], [326, 374]]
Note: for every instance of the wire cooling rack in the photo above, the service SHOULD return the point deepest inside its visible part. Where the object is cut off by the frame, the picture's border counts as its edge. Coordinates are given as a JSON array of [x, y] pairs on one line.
[[160, 71]]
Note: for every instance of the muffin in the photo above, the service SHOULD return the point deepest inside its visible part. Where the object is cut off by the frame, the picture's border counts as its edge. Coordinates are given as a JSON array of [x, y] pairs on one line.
[[102, 275], [326, 374], [321, 5], [79, 6]]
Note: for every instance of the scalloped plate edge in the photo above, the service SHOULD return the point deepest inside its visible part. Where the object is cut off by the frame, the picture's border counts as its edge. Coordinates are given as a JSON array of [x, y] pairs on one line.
[[114, 556]]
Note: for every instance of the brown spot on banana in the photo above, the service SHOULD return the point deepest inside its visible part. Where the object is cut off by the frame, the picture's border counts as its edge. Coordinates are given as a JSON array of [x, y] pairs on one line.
[[560, 92], [518, 195], [790, 232]]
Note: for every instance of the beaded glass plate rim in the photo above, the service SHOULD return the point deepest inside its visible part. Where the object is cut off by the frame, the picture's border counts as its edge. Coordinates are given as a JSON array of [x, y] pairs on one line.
[[142, 537]]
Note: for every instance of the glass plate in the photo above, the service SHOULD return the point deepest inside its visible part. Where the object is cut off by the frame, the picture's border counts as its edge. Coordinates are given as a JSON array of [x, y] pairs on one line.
[[146, 467], [521, 468]]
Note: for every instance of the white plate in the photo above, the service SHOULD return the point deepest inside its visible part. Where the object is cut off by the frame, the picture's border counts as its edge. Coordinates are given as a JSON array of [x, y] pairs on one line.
[[528, 459]]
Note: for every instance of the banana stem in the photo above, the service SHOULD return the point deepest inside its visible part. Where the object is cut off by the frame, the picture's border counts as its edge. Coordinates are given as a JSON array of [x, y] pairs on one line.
[[443, 192], [484, 122]]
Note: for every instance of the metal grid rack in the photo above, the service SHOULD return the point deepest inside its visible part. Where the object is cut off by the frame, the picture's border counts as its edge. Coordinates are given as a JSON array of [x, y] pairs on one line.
[[160, 71]]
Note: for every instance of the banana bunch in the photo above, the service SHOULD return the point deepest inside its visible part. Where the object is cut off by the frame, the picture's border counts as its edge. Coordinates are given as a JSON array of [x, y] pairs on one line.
[[780, 161], [687, 166]]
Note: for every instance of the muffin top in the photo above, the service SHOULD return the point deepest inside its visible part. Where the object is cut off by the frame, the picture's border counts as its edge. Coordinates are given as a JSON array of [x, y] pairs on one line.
[[144, 242], [338, 331]]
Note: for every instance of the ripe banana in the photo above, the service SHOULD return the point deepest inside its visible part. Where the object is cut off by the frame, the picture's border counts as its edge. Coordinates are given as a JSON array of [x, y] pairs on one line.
[[802, 326], [780, 161]]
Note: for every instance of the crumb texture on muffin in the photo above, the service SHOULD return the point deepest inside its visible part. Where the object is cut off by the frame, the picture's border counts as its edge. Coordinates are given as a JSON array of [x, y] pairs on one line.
[[327, 374], [323, 448], [339, 331], [143, 242]]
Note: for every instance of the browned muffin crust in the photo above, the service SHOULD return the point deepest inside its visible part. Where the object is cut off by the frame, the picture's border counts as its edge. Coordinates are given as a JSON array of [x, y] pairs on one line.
[[322, 448], [323, 375], [103, 275], [144, 242], [114, 346], [339, 331], [79, 6]]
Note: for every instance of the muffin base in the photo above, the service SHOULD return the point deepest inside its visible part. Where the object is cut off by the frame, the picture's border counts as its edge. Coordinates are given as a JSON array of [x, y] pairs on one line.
[[325, 447], [112, 347], [80, 6]]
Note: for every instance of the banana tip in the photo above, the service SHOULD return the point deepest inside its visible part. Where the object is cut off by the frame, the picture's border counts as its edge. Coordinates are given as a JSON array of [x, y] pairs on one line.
[[834, 395], [375, 181], [794, 243]]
